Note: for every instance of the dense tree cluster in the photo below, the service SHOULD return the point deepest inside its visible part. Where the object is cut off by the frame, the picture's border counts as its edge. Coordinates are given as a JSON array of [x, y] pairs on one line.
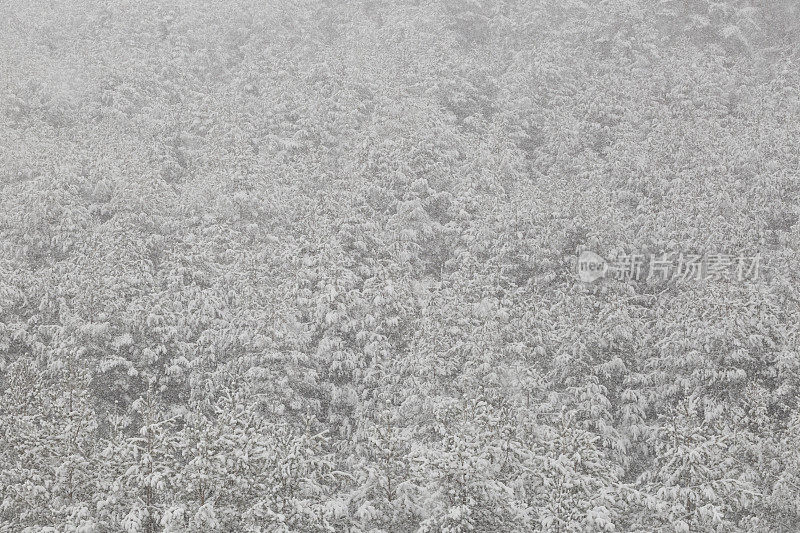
[[309, 266]]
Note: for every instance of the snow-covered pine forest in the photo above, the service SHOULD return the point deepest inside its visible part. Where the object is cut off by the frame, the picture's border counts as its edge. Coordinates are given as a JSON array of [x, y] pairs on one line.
[[310, 266]]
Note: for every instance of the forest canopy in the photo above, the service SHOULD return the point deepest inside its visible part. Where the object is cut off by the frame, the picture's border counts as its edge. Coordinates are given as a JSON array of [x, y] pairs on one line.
[[310, 266]]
